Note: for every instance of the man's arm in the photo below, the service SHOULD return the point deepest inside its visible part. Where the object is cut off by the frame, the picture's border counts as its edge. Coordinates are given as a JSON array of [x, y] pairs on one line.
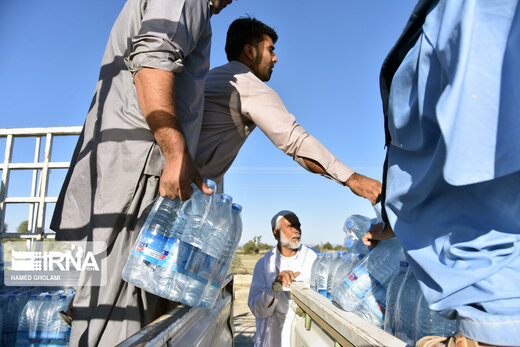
[[262, 301], [360, 185], [156, 94], [267, 111]]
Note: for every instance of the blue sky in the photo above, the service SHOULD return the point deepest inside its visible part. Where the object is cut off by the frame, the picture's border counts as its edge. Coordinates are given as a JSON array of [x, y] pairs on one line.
[[329, 55]]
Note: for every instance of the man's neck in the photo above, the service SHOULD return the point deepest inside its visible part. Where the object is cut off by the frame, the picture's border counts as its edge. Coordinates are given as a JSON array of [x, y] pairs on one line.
[[287, 252]]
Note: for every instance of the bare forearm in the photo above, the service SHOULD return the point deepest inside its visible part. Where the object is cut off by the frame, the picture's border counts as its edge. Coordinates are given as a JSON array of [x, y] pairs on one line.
[[156, 95]]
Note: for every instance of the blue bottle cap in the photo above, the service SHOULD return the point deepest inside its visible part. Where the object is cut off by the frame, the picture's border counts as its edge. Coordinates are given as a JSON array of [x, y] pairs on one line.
[[341, 253], [236, 207], [211, 184], [226, 197], [403, 263]]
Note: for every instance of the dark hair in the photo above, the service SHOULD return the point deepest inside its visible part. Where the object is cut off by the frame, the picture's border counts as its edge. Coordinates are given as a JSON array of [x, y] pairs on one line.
[[246, 30]]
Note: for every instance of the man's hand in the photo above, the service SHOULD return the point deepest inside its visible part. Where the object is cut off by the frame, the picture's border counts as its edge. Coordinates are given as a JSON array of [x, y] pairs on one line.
[[286, 277], [375, 234], [365, 187], [177, 176]]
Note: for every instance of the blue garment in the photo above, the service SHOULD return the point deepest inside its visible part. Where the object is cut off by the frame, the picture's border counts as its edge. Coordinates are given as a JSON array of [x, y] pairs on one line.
[[452, 183]]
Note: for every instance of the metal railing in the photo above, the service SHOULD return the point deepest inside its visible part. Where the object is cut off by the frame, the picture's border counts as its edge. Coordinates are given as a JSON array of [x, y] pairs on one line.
[[40, 174]]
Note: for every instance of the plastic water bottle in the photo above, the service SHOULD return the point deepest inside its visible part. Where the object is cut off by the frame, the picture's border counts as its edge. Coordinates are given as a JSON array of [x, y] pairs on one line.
[[215, 231], [355, 227], [375, 269], [58, 332], [340, 268], [333, 267], [391, 296], [149, 250], [405, 309], [44, 317], [189, 224], [349, 261], [28, 326], [373, 306], [323, 272], [430, 323], [213, 288], [314, 272]]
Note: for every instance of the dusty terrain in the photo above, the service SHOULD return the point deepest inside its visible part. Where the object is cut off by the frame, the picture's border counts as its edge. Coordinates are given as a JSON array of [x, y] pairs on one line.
[[244, 320]]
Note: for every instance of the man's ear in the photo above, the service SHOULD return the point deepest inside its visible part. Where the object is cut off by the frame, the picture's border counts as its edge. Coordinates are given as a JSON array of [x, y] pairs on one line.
[[276, 233], [250, 51]]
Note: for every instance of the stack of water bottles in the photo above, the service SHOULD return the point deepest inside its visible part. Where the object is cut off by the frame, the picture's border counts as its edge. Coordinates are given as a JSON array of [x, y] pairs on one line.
[[29, 316], [184, 249], [408, 316], [377, 285]]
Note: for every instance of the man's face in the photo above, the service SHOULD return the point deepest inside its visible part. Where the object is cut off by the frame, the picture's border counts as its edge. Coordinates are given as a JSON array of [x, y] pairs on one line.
[[290, 232], [265, 59]]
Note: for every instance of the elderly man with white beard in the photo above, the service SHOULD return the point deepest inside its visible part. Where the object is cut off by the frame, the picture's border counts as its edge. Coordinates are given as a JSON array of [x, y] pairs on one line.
[[285, 263]]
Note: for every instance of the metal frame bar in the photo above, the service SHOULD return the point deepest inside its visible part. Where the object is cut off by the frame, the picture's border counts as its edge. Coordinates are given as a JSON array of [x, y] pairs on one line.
[[40, 178]]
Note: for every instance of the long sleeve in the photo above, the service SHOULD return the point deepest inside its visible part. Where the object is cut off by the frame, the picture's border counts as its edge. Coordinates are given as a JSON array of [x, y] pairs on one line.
[[261, 294], [170, 31], [264, 107]]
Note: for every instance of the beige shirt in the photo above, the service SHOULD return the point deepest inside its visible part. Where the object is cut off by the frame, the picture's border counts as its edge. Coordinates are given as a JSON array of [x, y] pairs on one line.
[[235, 102]]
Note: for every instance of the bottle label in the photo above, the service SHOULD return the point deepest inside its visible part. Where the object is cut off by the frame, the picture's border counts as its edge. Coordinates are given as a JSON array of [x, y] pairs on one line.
[[359, 281], [153, 247]]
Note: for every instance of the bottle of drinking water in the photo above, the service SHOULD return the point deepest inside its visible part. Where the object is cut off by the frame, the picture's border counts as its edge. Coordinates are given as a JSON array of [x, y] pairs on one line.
[[373, 306], [191, 218], [149, 250], [323, 273], [355, 227], [28, 326], [170, 279], [333, 267], [44, 317], [215, 285], [430, 323], [349, 261], [375, 269], [314, 272], [58, 332], [215, 232], [391, 296], [405, 309]]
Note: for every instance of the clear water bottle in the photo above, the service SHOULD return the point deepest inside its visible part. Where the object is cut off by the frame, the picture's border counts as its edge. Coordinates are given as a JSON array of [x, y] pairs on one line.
[[375, 269], [28, 325], [391, 296], [44, 318], [213, 288], [355, 227], [405, 309], [149, 250], [430, 323], [323, 272], [314, 272], [215, 232], [349, 261], [373, 306], [333, 267], [189, 223]]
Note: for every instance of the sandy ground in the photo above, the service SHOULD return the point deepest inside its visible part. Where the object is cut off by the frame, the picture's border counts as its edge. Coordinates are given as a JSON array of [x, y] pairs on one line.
[[244, 319]]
